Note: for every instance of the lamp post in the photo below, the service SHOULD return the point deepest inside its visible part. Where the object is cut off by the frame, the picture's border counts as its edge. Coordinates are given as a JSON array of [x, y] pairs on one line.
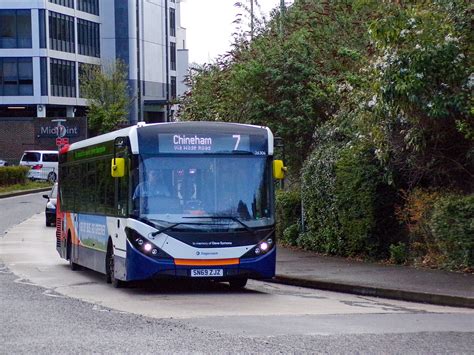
[[251, 20], [282, 13]]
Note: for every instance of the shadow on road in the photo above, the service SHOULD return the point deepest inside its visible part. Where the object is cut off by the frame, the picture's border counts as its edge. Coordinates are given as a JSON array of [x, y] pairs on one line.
[[167, 286]]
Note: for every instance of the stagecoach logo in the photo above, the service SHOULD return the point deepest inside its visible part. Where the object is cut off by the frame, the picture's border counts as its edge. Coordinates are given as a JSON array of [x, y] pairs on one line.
[[182, 142], [207, 253]]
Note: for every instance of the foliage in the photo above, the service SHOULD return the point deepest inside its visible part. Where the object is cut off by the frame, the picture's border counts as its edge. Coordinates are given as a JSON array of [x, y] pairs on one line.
[[288, 81], [414, 213], [106, 90], [452, 225], [398, 253], [10, 175], [288, 213], [291, 234], [364, 201], [319, 193], [347, 202], [28, 185], [418, 108], [370, 97]]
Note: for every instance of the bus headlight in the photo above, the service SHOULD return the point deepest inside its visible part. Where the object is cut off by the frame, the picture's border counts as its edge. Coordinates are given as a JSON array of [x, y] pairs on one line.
[[262, 248], [144, 245]]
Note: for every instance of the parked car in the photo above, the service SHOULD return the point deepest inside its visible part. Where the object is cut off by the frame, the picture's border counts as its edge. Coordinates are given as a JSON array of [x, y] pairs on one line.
[[43, 164], [50, 209], [3, 162]]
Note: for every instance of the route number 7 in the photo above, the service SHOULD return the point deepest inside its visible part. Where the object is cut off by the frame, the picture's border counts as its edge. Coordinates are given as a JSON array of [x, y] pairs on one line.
[[236, 136]]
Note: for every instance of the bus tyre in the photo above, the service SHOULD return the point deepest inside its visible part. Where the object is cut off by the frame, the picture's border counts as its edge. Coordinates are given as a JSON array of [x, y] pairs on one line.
[[110, 268], [72, 265], [237, 284]]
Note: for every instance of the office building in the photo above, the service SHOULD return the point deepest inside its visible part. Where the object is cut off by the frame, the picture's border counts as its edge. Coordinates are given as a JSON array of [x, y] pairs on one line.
[[44, 44]]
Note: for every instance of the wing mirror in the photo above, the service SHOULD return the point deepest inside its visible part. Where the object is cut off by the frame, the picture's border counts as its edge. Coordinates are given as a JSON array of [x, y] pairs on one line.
[[118, 167], [279, 169]]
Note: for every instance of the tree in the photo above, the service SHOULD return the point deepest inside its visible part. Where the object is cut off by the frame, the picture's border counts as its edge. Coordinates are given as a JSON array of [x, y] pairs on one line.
[[418, 108], [106, 90], [288, 80]]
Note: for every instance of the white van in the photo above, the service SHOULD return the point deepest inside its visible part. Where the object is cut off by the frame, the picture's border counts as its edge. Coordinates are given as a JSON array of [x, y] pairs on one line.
[[43, 164]]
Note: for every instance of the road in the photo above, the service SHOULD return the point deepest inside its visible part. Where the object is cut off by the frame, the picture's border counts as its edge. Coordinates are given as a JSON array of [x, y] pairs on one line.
[[45, 307], [14, 210]]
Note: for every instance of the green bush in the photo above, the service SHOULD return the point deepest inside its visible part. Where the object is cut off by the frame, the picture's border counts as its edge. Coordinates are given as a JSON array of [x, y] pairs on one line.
[[365, 203], [288, 213], [323, 232], [452, 224], [291, 234], [10, 175], [398, 253], [356, 182], [348, 206]]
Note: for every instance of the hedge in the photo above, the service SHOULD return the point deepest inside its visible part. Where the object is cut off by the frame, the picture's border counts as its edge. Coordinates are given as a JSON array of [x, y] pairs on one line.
[[10, 175], [348, 205], [288, 215], [452, 224]]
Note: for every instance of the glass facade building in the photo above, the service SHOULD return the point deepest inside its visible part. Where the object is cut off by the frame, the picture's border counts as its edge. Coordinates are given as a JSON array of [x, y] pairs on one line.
[[45, 47], [15, 29], [61, 32], [16, 76]]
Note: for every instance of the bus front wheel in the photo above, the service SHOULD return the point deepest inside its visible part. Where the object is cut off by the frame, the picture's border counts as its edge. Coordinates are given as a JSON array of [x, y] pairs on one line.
[[110, 268], [237, 284]]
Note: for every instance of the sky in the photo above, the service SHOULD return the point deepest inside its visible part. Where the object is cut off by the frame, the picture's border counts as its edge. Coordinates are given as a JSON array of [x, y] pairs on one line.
[[209, 25]]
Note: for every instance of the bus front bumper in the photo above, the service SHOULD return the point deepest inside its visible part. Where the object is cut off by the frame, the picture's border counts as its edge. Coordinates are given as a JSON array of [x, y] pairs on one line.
[[142, 267]]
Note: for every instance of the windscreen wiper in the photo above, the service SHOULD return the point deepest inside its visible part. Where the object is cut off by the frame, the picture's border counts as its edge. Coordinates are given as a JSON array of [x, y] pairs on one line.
[[228, 217], [177, 224]]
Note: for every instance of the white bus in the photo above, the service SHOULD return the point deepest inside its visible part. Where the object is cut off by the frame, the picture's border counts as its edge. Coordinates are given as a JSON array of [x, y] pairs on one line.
[[170, 200]]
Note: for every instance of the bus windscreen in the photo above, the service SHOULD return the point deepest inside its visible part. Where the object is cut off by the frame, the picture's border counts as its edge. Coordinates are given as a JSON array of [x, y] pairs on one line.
[[172, 189]]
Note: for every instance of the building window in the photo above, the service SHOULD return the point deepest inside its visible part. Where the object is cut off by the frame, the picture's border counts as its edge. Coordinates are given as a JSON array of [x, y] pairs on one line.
[[15, 29], [16, 77], [42, 28], [88, 34], [173, 88], [173, 55], [89, 6], [44, 76], [172, 22], [63, 78], [61, 32], [67, 3]]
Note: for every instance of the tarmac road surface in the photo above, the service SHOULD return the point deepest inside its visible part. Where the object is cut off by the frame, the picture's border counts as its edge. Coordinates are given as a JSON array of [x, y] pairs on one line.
[[47, 307]]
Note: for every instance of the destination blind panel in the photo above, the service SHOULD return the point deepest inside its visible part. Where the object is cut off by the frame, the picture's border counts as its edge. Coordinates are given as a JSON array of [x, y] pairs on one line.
[[202, 143]]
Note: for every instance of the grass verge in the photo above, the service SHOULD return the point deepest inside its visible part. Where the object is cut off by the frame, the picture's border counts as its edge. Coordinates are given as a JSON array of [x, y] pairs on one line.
[[29, 185]]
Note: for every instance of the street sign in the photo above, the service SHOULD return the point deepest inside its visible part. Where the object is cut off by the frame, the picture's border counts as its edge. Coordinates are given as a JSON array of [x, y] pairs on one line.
[[62, 141]]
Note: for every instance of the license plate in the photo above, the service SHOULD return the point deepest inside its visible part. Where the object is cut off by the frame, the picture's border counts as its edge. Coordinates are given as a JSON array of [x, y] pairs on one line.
[[207, 272]]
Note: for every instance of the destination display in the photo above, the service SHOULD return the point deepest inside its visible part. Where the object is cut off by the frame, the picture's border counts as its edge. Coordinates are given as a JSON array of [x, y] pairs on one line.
[[200, 143], [204, 139]]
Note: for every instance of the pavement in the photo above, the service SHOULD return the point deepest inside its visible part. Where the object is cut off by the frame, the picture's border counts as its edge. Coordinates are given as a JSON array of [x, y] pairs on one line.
[[307, 269], [302, 268]]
